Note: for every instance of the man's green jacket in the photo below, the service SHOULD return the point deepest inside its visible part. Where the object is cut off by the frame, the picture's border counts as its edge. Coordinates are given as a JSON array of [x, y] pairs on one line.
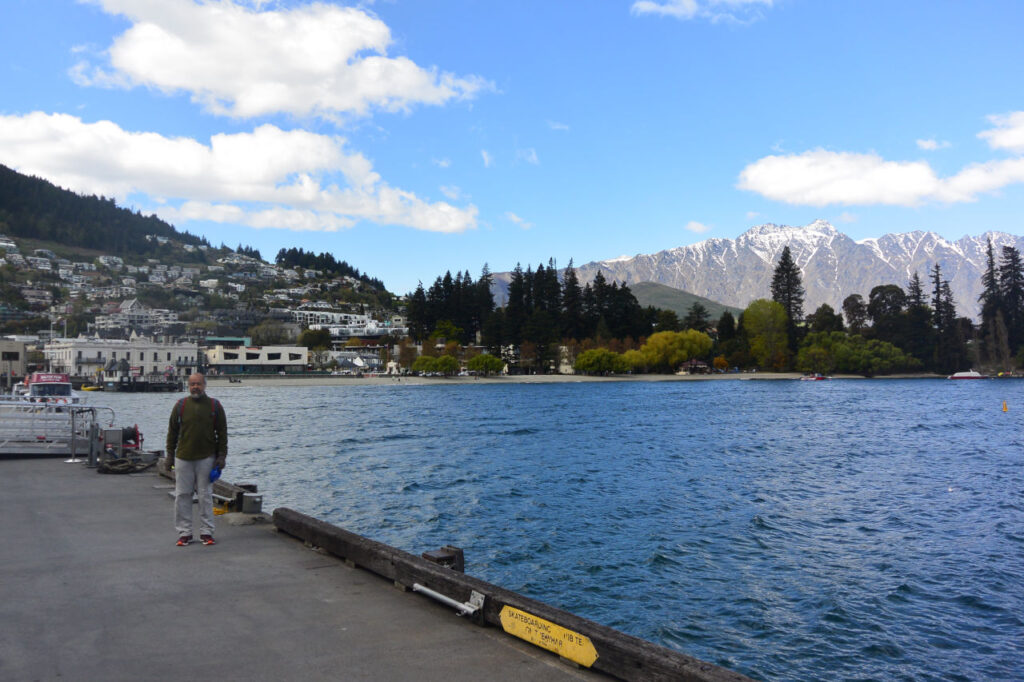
[[197, 429]]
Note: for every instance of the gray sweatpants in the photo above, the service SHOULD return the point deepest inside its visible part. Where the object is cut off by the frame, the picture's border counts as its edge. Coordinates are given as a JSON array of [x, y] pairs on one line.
[[192, 476]]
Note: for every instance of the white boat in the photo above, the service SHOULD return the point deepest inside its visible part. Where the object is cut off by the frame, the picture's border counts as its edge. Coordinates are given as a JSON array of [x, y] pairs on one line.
[[971, 374], [46, 387], [814, 377]]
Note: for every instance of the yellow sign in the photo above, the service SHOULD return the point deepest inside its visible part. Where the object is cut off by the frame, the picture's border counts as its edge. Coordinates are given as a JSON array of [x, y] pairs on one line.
[[545, 634]]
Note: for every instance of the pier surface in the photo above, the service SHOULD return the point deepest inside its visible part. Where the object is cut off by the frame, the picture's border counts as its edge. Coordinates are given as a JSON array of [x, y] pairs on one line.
[[93, 587]]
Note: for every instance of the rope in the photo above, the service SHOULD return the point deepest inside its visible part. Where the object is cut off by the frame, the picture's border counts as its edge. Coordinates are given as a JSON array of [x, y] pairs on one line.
[[122, 465]]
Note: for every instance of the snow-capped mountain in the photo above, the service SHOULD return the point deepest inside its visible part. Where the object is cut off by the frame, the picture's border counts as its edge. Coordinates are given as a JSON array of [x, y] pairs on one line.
[[737, 271]]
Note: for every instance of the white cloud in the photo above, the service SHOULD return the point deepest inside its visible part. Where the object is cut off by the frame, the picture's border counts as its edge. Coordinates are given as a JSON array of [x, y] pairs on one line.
[[509, 215], [265, 178], [486, 156], [714, 10], [932, 145], [819, 177], [555, 125], [698, 228], [318, 59], [451, 191], [1008, 133], [846, 217], [442, 163], [528, 155], [680, 9]]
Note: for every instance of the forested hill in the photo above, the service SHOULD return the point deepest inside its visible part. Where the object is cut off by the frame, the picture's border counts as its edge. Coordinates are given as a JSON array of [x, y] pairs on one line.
[[34, 208]]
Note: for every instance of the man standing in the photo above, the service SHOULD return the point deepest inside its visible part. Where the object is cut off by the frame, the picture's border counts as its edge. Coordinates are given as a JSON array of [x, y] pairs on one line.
[[197, 441]]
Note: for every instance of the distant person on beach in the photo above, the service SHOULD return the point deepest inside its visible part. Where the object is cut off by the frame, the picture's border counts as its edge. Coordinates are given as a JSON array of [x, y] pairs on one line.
[[197, 442]]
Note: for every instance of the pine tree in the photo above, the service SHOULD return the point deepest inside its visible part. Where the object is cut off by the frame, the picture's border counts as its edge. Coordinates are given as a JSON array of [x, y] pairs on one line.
[[1011, 295], [516, 310], [572, 305], [917, 336], [788, 291], [697, 317], [990, 309], [419, 325], [950, 353]]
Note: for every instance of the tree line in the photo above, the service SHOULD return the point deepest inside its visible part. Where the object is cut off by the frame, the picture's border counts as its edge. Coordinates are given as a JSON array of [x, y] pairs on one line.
[[897, 329], [34, 208], [326, 262], [603, 328], [542, 311]]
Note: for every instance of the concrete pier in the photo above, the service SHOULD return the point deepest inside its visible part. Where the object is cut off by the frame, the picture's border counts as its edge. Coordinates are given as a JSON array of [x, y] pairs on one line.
[[92, 587]]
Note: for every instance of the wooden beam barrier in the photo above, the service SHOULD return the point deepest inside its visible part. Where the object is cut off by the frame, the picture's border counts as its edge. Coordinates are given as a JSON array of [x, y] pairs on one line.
[[234, 495], [617, 654]]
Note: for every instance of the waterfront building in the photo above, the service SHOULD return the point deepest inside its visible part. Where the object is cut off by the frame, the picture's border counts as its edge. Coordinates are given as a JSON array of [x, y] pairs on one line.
[[221, 359], [12, 360], [143, 357]]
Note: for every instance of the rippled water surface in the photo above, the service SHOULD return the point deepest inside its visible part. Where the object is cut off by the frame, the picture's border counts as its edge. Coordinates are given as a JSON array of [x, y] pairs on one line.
[[791, 531]]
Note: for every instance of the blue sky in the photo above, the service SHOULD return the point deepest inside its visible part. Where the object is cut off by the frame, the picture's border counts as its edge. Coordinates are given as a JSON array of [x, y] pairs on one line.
[[411, 137]]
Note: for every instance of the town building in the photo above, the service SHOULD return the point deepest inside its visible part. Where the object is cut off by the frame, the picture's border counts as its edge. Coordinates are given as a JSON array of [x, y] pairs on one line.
[[231, 359], [131, 314], [113, 358], [13, 356]]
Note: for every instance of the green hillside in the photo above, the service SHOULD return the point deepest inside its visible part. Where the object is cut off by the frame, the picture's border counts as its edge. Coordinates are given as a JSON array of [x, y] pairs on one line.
[[677, 300], [33, 208]]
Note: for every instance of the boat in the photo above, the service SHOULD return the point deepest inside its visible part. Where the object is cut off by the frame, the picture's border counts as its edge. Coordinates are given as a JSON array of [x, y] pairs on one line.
[[92, 388], [970, 374], [46, 387], [814, 377]]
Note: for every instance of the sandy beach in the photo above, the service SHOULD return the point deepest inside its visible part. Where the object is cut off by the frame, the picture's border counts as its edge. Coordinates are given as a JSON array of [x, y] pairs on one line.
[[327, 380]]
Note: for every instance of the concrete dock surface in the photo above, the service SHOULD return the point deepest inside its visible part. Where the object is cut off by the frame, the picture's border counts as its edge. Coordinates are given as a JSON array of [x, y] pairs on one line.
[[92, 587]]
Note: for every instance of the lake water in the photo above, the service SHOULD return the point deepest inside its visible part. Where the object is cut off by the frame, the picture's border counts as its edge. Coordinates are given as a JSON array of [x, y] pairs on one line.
[[788, 530]]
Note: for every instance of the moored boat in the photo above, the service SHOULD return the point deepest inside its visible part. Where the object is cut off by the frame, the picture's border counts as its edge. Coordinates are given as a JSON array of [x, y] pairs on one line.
[[814, 377], [46, 387], [970, 374]]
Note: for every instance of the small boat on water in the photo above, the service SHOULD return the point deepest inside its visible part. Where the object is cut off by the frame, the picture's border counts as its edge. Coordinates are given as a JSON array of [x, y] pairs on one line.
[[971, 374], [46, 387], [815, 377], [92, 388]]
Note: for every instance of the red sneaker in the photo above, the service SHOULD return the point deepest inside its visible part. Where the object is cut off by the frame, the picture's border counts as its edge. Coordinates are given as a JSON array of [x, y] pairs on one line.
[[207, 540], [184, 540]]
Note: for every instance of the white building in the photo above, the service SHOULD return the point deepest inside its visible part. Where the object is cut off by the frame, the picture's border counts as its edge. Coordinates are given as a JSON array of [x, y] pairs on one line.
[[38, 263], [133, 315], [256, 359], [112, 262], [85, 357], [307, 318]]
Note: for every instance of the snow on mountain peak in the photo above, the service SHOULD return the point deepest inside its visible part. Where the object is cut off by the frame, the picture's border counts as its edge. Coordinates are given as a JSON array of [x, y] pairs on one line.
[[833, 266]]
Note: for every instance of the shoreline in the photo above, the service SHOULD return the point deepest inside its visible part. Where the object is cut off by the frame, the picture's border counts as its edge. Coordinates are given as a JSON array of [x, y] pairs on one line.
[[221, 381]]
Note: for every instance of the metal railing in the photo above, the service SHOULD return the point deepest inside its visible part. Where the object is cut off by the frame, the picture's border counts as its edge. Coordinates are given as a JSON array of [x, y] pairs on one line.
[[28, 428]]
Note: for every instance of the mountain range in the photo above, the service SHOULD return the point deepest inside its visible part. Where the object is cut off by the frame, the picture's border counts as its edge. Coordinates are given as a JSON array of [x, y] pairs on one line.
[[737, 271]]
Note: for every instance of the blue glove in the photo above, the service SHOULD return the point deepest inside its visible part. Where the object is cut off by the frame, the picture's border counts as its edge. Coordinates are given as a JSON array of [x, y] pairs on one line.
[[214, 474]]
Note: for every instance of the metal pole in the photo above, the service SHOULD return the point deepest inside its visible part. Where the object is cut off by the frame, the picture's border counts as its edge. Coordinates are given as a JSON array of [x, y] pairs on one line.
[[94, 441], [74, 440], [463, 609]]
